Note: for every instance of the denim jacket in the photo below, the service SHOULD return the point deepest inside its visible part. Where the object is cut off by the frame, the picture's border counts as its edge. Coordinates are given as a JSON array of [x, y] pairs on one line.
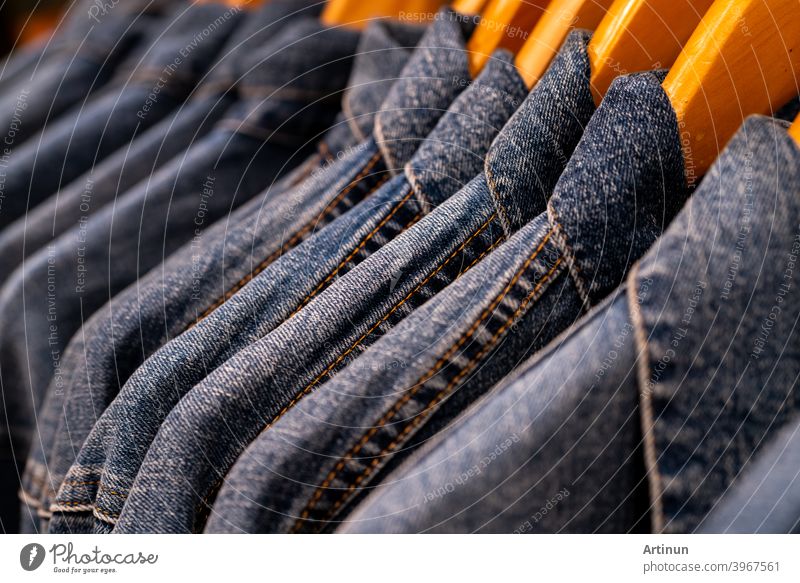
[[642, 416], [82, 58], [500, 89], [476, 330], [163, 79], [301, 354], [150, 150], [259, 140], [279, 226]]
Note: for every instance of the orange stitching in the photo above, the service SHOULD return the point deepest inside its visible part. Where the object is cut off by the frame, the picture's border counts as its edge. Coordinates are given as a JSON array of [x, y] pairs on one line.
[[397, 306], [75, 483], [110, 515], [354, 252], [113, 492], [417, 387], [79, 503], [263, 265], [465, 371]]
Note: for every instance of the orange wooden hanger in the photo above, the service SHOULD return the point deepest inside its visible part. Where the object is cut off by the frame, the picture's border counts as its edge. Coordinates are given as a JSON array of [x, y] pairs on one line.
[[744, 58], [469, 6], [550, 31], [504, 24], [794, 130], [358, 13], [639, 35]]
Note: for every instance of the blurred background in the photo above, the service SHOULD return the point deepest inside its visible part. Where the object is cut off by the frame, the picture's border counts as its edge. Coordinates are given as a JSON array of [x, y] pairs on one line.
[[27, 21]]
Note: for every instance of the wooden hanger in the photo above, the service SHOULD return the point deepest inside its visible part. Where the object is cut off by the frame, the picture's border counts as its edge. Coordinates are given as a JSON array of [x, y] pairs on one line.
[[744, 58], [469, 6], [504, 24], [794, 130], [358, 13], [640, 35], [550, 31]]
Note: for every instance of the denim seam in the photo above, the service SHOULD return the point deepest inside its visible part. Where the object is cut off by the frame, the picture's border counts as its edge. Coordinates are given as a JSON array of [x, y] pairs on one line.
[[104, 516], [370, 164], [562, 241], [110, 515], [498, 202], [307, 227], [419, 190], [343, 263], [71, 507], [347, 109], [396, 307], [380, 141], [383, 319], [657, 520], [420, 383], [531, 299]]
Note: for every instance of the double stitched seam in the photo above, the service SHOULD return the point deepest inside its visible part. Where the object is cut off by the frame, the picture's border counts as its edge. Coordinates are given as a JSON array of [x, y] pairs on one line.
[[106, 517], [64, 507], [354, 252], [657, 520], [501, 209], [293, 240], [560, 237], [396, 307], [420, 384]]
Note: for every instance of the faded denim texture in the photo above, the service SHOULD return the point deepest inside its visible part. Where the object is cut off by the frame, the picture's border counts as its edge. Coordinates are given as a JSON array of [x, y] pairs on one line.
[[162, 80], [434, 77], [260, 140], [604, 212], [765, 497], [359, 308], [152, 149], [673, 383]]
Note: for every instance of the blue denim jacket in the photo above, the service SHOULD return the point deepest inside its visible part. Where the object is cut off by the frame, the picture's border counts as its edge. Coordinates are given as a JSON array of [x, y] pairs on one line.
[[260, 140], [330, 192], [475, 331], [643, 415], [765, 496], [151, 149], [265, 296], [301, 354], [163, 79]]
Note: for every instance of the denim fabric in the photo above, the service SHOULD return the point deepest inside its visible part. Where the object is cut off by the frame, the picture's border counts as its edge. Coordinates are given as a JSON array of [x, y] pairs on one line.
[[765, 497], [302, 354], [641, 416], [332, 191], [85, 61], [429, 368], [289, 284], [149, 151], [245, 152], [70, 146]]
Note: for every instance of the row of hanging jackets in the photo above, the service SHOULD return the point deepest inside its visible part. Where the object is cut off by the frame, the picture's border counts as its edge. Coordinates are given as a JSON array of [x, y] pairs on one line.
[[264, 274]]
